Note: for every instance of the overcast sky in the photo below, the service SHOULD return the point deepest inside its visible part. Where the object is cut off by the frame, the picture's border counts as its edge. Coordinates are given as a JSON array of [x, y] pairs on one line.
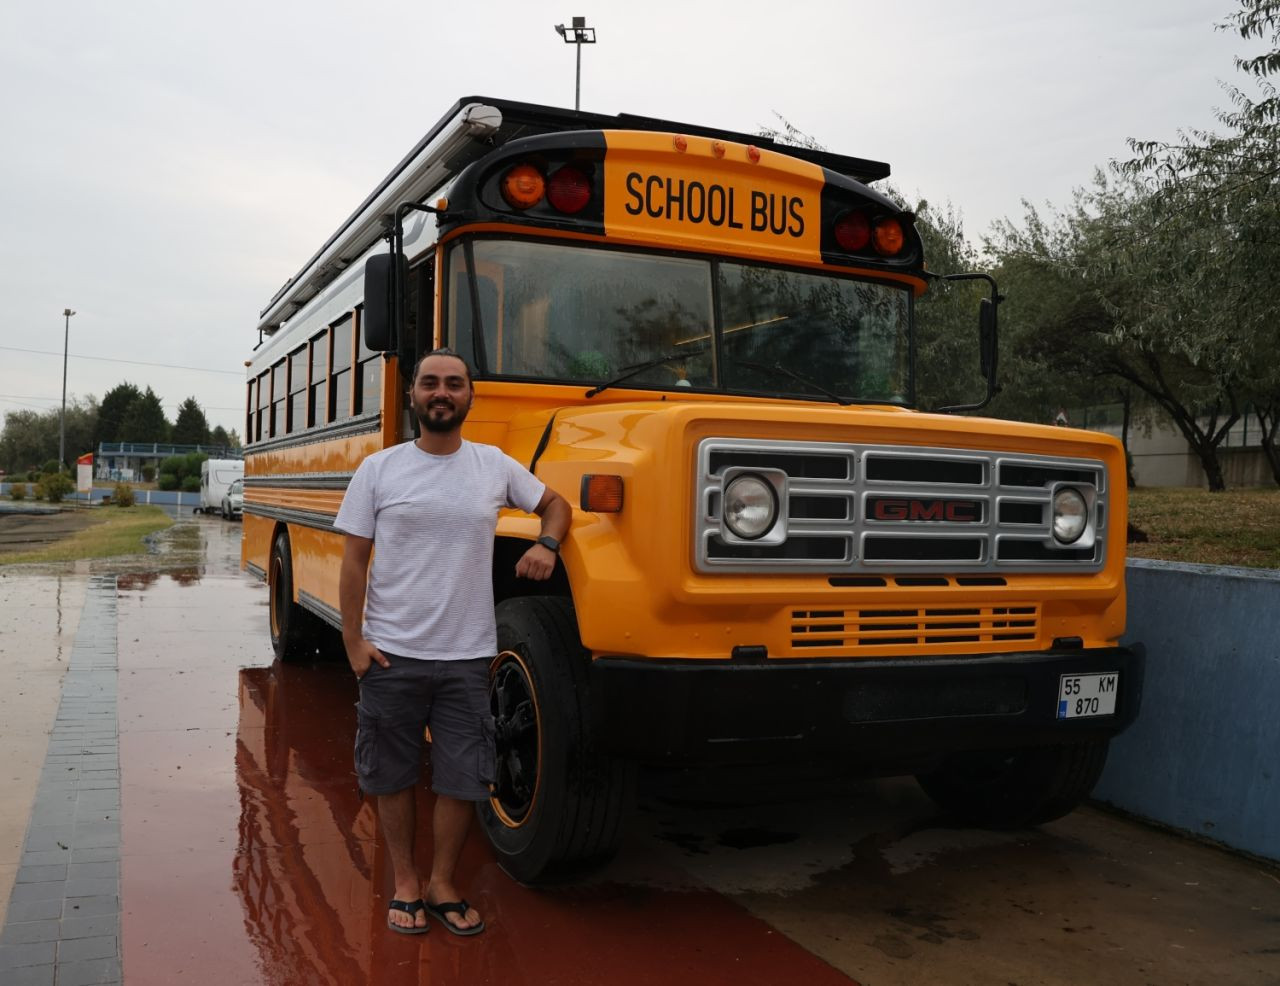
[[168, 165]]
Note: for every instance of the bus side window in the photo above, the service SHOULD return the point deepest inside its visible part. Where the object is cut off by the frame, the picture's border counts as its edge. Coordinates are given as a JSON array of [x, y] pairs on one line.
[[368, 378], [298, 389], [277, 399], [340, 381], [250, 406], [317, 404], [261, 429]]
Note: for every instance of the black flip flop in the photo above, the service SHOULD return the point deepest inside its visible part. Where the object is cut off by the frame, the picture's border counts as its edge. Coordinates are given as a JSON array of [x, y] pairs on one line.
[[439, 912], [411, 907]]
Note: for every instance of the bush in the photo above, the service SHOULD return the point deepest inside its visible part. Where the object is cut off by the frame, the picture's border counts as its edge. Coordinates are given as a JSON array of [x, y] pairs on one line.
[[52, 466], [123, 495], [53, 488], [33, 475], [167, 481], [190, 484], [18, 491], [148, 474]]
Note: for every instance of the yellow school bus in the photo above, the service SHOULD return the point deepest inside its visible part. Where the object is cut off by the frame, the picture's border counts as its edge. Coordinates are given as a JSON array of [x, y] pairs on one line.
[[705, 343]]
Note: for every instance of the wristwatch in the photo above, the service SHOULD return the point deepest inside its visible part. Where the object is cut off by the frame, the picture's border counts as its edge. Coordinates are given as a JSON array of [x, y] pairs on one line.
[[550, 543]]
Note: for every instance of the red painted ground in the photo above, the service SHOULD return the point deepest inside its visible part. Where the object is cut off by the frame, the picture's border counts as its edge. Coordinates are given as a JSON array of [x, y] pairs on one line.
[[249, 858]]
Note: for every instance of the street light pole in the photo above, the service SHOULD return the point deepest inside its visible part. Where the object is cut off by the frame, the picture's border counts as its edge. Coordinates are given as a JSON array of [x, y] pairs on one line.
[[577, 34], [62, 418]]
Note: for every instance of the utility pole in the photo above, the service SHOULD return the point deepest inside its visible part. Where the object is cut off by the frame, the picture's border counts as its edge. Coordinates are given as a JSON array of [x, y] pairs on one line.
[[62, 418], [578, 34]]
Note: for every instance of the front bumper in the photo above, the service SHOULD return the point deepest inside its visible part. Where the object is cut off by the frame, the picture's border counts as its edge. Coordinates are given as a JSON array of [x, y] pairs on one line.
[[881, 715]]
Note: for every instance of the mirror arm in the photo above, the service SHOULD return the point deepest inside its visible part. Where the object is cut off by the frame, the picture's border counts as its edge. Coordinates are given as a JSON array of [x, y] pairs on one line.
[[396, 237], [993, 388]]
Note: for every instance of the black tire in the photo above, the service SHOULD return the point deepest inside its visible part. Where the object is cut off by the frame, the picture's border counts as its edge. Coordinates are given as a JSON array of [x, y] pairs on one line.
[[293, 630], [1012, 789], [558, 801]]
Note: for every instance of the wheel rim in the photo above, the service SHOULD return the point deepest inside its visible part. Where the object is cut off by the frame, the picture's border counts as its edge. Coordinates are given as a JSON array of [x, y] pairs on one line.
[[517, 737], [274, 595]]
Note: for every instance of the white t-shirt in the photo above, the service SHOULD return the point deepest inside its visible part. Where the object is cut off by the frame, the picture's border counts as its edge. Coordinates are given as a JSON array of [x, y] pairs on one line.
[[432, 519]]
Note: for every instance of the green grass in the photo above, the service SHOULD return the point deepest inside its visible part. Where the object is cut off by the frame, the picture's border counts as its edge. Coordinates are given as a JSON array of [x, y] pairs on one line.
[[1236, 527], [114, 531]]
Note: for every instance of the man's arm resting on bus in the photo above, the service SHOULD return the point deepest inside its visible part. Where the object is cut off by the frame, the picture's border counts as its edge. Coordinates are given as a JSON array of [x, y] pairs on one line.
[[352, 581], [540, 561]]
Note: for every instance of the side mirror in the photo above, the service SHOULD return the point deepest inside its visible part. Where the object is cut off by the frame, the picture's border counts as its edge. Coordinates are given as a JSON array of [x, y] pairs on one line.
[[383, 280], [987, 346]]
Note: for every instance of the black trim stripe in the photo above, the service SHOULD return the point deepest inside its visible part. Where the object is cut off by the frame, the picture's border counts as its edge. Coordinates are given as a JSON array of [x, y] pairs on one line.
[[321, 609], [255, 570], [304, 481], [303, 518]]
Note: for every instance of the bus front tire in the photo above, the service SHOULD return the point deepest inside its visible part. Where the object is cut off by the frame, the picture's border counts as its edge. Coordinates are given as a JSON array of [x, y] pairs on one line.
[[293, 629], [1016, 788], [558, 801]]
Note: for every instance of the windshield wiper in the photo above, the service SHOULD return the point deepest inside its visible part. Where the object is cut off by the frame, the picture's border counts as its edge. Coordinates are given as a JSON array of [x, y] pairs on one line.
[[638, 368], [842, 401]]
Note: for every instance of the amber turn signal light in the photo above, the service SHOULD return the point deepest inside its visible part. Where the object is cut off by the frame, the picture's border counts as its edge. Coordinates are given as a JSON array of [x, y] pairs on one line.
[[523, 186], [602, 494]]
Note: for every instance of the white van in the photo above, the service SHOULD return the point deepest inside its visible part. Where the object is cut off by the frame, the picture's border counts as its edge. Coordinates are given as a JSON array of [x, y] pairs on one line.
[[215, 476]]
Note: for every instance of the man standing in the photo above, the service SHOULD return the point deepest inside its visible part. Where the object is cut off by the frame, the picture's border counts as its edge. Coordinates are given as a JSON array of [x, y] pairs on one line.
[[419, 627]]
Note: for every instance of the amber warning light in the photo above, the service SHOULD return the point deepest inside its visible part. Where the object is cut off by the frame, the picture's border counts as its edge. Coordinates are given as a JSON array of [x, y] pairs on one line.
[[602, 494]]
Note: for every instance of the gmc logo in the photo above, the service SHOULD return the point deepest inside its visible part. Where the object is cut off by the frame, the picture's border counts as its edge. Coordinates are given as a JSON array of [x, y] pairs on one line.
[[956, 511]]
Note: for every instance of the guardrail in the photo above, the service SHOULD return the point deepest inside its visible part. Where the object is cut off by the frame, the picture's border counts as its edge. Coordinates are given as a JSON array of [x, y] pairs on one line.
[[1202, 756]]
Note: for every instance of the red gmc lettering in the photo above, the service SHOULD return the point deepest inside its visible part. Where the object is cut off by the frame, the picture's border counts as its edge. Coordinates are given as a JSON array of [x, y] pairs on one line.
[[956, 511]]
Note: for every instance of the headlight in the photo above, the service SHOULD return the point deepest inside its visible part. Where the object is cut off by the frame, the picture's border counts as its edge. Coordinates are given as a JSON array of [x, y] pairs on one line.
[[750, 506], [1070, 515]]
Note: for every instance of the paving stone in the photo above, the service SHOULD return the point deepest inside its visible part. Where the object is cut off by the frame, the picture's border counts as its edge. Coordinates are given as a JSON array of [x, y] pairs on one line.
[[94, 871], [33, 975], [45, 857], [29, 931], [93, 887], [80, 949], [33, 910], [106, 854], [88, 907], [90, 927], [39, 874], [49, 890], [93, 972], [16, 956]]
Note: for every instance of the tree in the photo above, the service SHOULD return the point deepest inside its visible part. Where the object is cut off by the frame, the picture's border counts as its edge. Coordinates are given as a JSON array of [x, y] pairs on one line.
[[111, 413], [145, 420], [191, 427], [1124, 289], [1233, 178], [31, 437], [220, 437]]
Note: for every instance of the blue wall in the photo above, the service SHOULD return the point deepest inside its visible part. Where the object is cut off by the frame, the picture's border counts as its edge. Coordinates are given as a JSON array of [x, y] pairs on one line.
[[1204, 755]]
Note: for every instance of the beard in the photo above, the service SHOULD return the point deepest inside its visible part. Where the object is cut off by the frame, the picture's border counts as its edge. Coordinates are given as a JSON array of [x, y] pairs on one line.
[[434, 418]]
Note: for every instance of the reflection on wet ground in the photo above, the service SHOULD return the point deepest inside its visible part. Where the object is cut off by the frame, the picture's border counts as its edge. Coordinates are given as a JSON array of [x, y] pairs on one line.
[[238, 786]]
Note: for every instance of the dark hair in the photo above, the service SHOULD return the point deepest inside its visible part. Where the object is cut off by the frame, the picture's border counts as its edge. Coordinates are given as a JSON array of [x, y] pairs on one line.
[[442, 351]]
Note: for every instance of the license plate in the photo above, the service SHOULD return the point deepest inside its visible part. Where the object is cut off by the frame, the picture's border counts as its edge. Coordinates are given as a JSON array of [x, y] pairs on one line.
[[1081, 695]]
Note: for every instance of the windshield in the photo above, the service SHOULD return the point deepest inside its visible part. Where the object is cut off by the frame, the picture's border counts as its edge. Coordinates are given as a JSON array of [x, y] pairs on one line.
[[555, 312]]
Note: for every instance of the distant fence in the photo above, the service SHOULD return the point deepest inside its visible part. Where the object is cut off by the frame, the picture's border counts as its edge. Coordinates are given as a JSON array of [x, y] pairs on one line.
[[1202, 756], [172, 499]]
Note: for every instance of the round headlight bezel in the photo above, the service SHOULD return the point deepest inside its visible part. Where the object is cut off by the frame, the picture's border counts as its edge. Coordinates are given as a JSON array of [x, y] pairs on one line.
[[763, 493], [1070, 507]]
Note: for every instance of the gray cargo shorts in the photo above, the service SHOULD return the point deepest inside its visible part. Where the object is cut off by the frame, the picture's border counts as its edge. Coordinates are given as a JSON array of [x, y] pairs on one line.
[[398, 702]]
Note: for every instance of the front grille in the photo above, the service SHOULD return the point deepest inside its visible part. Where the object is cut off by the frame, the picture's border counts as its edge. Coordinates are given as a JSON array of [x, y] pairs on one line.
[[849, 509], [862, 630]]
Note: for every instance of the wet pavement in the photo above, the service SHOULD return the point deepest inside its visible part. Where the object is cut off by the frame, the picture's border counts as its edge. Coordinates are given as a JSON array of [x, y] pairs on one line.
[[246, 855]]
